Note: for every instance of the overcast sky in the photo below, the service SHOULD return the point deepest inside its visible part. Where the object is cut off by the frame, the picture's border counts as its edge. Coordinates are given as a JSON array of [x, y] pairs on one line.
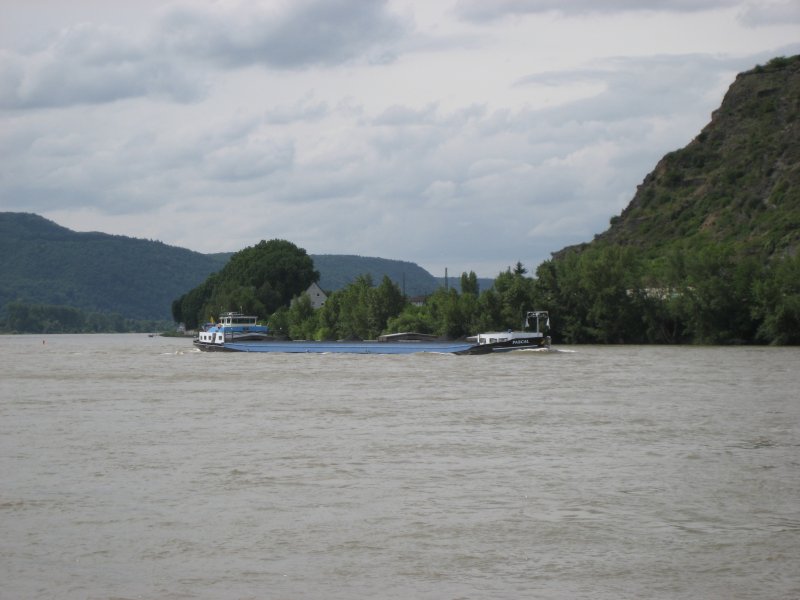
[[468, 134]]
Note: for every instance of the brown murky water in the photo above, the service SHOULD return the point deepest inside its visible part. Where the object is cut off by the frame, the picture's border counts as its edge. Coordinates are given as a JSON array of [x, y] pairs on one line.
[[135, 467]]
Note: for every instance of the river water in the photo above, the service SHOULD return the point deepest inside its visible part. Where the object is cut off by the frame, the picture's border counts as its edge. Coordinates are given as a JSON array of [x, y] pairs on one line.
[[136, 467]]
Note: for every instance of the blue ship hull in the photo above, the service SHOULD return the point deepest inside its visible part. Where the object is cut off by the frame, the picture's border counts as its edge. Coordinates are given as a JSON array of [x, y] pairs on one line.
[[304, 347], [235, 333]]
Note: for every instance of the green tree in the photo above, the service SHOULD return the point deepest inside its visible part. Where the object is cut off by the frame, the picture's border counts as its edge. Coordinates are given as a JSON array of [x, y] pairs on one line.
[[777, 302], [413, 318], [328, 319], [516, 296], [279, 323], [718, 296], [469, 284], [189, 308], [303, 321], [489, 312], [593, 295], [609, 276], [354, 321], [383, 303], [46, 318], [258, 280]]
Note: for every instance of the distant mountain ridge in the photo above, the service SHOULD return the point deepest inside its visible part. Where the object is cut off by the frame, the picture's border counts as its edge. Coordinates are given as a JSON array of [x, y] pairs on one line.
[[45, 263]]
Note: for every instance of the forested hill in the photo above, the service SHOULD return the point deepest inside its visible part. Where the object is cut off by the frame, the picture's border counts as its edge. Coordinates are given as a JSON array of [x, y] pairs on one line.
[[44, 263], [736, 184], [708, 250], [338, 270]]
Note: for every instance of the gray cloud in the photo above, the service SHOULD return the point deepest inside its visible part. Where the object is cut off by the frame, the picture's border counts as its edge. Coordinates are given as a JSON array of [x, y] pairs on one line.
[[403, 168], [87, 64], [480, 10], [91, 64], [304, 110], [254, 159], [647, 86], [771, 13], [303, 33], [118, 163], [532, 180], [404, 116], [543, 178]]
